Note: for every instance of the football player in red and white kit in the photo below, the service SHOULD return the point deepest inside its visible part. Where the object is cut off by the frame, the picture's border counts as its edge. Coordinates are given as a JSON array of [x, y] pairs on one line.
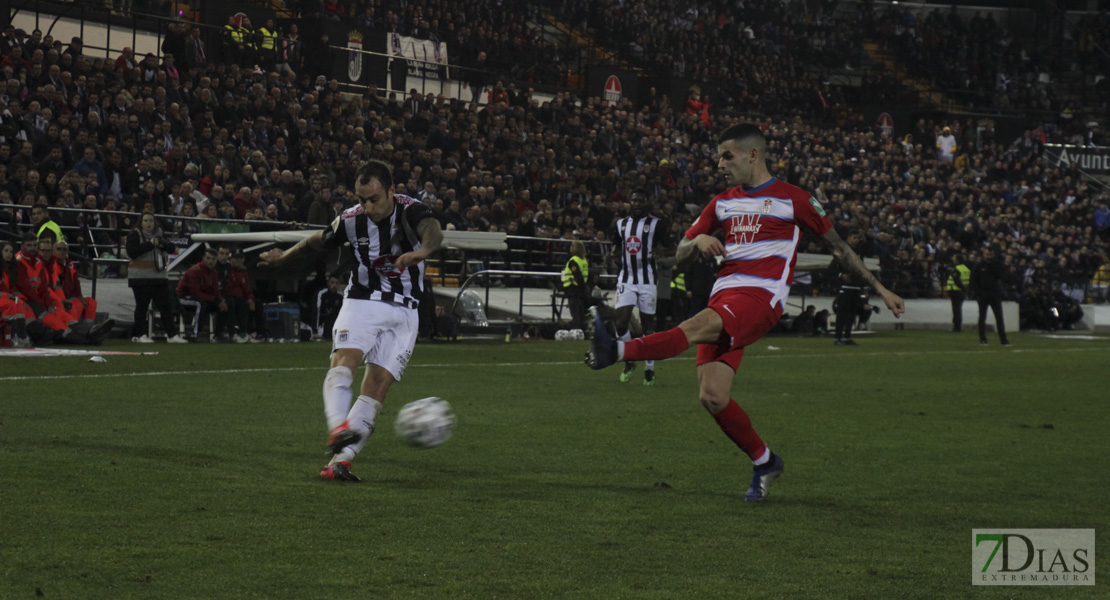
[[761, 220]]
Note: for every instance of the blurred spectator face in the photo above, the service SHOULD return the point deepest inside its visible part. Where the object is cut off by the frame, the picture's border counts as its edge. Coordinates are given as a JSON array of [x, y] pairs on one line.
[[61, 252], [222, 255], [30, 248], [38, 216]]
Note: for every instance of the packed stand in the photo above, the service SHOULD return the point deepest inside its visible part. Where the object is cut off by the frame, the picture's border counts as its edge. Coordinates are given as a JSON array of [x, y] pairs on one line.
[[759, 55], [223, 142], [981, 65], [512, 46]]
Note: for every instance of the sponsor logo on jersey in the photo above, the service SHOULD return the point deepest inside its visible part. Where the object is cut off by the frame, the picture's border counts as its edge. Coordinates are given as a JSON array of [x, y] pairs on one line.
[[744, 228], [385, 266], [633, 245]]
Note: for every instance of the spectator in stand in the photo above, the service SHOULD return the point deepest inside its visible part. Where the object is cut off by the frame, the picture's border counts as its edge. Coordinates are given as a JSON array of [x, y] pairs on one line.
[[148, 250], [42, 223], [199, 290]]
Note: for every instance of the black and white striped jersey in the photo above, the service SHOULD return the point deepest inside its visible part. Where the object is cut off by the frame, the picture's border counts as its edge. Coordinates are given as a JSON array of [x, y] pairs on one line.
[[638, 239], [376, 246]]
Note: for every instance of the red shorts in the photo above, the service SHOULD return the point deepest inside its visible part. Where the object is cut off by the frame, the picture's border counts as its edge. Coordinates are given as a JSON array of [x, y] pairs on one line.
[[748, 315]]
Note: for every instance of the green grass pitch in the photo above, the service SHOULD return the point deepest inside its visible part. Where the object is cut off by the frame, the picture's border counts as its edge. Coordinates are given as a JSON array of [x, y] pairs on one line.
[[193, 474]]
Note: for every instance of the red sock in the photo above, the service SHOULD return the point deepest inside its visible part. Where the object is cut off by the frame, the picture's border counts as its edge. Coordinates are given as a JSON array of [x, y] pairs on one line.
[[657, 346], [738, 427]]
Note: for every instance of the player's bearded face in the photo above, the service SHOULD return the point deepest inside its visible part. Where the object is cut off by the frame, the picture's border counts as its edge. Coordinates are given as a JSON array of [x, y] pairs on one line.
[[377, 202]]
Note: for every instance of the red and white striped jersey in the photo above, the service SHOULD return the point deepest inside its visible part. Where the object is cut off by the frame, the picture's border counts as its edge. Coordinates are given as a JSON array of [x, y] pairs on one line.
[[762, 228]]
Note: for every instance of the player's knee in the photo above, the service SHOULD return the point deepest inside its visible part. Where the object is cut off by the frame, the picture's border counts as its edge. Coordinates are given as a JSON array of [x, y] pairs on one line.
[[713, 402], [339, 377]]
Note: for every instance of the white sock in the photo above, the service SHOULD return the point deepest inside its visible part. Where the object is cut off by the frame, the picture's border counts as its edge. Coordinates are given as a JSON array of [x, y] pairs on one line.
[[361, 419], [649, 365], [626, 336], [337, 395], [762, 460], [620, 351]]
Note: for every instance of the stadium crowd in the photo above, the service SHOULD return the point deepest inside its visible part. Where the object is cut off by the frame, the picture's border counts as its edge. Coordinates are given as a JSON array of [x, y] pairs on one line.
[[185, 134]]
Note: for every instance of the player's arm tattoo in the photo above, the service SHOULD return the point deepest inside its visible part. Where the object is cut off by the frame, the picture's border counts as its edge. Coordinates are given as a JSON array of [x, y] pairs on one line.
[[431, 235], [849, 259]]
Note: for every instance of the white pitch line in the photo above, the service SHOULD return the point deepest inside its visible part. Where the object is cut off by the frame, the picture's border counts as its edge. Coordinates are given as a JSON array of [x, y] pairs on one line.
[[322, 369]]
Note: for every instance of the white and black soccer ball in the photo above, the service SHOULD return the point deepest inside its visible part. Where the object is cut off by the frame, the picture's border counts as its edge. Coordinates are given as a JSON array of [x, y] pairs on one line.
[[427, 422]]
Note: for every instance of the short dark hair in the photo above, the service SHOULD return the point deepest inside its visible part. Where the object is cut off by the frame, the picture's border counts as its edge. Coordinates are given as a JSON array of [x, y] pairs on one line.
[[210, 250], [375, 169], [640, 191], [29, 236], [744, 134], [41, 205]]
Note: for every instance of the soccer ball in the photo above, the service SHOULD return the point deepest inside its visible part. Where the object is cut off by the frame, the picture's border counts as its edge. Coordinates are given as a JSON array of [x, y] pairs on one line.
[[427, 422]]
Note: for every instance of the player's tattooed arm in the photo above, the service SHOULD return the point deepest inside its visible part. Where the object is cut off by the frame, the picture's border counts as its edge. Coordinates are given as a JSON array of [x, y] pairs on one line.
[[852, 262], [431, 236], [431, 240]]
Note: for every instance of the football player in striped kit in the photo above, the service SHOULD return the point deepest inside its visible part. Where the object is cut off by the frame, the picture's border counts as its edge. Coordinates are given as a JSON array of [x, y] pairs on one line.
[[390, 236], [640, 238], [753, 229]]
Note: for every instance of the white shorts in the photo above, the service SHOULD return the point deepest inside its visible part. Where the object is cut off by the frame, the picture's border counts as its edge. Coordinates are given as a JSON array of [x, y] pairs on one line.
[[384, 332], [640, 295]]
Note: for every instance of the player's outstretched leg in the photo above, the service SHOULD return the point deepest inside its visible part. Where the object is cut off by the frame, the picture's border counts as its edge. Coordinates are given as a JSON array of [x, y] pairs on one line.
[[603, 346], [762, 478]]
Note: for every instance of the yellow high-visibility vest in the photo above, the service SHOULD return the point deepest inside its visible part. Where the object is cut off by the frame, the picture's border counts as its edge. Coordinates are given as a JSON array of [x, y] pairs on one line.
[[268, 38], [679, 282], [960, 274], [568, 275], [236, 34], [52, 226]]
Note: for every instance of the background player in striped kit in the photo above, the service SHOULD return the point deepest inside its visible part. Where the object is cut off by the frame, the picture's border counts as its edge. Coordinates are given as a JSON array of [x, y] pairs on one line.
[[761, 220], [390, 235], [641, 237]]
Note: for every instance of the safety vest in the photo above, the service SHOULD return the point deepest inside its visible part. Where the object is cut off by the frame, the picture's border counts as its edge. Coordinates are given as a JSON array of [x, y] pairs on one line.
[[679, 282], [236, 33], [52, 226], [568, 275], [959, 275], [268, 38]]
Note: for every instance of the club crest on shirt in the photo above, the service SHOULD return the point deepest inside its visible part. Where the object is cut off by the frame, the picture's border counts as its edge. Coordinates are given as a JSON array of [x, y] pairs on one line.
[[385, 266], [743, 228], [633, 245], [767, 204]]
